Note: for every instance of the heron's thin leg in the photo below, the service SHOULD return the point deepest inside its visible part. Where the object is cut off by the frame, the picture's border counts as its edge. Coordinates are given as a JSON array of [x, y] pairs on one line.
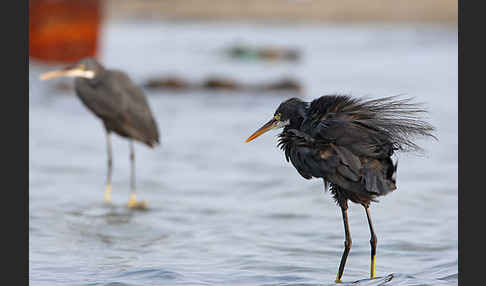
[[347, 242], [373, 242], [133, 199], [110, 168]]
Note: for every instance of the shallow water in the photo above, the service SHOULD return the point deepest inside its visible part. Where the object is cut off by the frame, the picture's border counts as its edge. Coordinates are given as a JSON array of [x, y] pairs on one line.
[[222, 212]]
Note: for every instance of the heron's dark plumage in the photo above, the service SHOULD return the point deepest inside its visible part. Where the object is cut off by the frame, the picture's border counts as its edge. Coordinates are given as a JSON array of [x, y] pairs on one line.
[[119, 103], [349, 142]]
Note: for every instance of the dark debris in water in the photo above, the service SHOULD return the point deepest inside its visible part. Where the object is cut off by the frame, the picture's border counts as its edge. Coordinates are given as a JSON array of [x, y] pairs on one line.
[[212, 83]]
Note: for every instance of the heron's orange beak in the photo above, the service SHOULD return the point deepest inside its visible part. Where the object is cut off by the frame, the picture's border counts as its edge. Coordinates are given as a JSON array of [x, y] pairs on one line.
[[268, 126], [68, 72], [53, 74]]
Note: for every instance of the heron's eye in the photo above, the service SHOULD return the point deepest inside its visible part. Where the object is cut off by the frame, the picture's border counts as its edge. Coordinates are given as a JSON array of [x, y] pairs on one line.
[[81, 66], [277, 116]]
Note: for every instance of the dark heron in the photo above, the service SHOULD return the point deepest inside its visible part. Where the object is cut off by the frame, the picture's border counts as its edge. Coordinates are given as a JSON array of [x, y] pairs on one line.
[[349, 142], [120, 104]]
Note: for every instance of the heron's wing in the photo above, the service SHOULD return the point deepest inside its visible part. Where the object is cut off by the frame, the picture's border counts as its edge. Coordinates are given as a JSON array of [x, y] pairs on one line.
[[300, 150], [315, 158], [137, 115], [121, 105], [99, 97], [337, 164], [349, 141], [372, 128], [360, 139]]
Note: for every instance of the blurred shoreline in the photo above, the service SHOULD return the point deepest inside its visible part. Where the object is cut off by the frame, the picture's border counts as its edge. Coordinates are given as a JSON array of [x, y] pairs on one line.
[[287, 10]]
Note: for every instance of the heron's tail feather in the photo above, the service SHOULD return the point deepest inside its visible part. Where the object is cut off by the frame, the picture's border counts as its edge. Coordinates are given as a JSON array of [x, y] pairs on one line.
[[400, 119]]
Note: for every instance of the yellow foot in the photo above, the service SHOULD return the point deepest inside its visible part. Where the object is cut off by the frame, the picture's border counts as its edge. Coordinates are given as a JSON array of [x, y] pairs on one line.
[[132, 203], [372, 271], [108, 194], [338, 280]]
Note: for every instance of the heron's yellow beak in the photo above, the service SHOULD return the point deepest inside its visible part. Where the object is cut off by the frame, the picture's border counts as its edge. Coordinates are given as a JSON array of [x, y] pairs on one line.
[[268, 126], [70, 72]]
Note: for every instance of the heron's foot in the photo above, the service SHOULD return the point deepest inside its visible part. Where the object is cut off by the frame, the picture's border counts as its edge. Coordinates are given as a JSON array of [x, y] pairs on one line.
[[338, 280], [108, 194], [372, 271], [132, 203]]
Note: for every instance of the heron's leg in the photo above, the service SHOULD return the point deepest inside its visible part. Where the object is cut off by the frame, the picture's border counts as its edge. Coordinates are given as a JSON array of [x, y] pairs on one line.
[[373, 242], [133, 198], [347, 242], [110, 168]]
